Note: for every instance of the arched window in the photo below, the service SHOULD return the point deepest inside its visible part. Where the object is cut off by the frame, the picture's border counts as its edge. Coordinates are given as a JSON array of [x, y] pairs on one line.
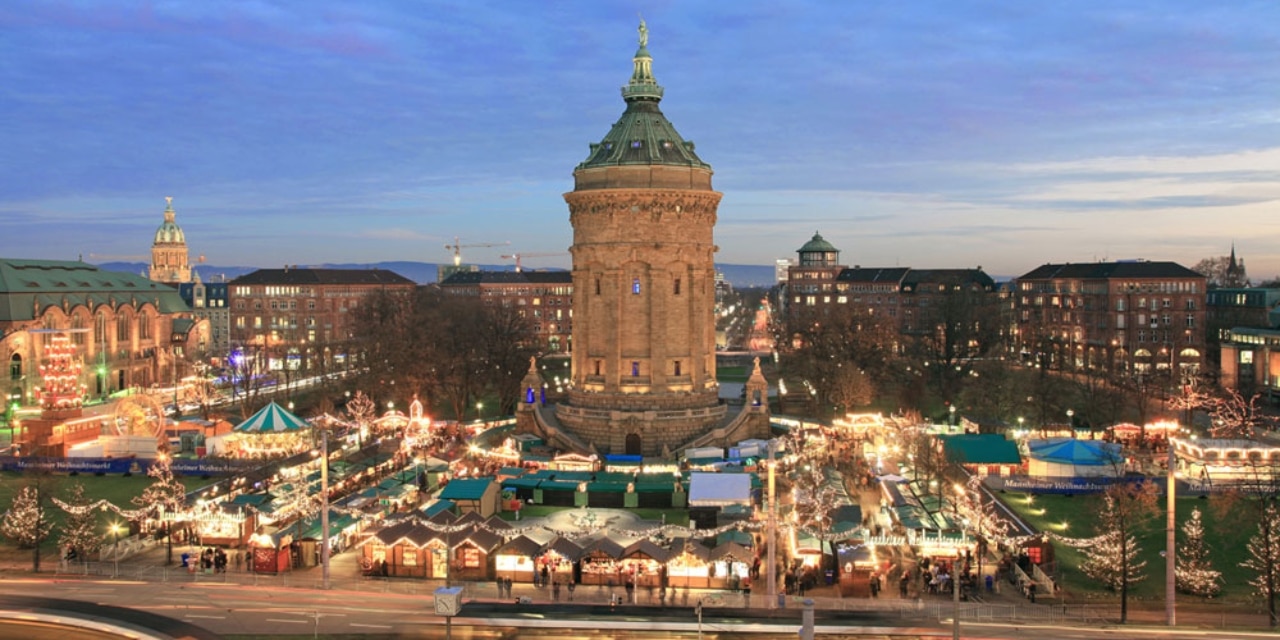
[[123, 334], [15, 367], [78, 329], [144, 326], [100, 330]]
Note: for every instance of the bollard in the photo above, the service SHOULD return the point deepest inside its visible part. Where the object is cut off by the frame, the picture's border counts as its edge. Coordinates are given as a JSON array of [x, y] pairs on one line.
[[806, 620]]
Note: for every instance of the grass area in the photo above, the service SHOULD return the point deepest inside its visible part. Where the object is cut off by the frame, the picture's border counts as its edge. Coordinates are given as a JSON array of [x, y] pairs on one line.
[[674, 516], [1075, 517], [732, 374], [116, 489]]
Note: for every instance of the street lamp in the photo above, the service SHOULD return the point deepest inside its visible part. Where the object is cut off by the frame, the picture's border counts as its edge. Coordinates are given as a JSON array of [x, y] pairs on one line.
[[953, 415], [480, 410], [1071, 422], [115, 546]]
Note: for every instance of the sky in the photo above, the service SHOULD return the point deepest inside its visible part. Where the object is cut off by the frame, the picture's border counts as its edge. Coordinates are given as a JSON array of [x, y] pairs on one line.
[[926, 134]]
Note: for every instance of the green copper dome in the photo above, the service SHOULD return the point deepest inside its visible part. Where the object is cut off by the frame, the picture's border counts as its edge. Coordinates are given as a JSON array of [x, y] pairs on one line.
[[643, 136], [817, 245], [169, 232]]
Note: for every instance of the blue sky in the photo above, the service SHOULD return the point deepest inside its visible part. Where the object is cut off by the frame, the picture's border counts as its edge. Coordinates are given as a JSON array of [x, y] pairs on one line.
[[926, 134]]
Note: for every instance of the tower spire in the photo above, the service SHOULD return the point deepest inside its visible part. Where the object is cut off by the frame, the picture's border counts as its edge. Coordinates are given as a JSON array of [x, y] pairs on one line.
[[169, 215], [642, 85]]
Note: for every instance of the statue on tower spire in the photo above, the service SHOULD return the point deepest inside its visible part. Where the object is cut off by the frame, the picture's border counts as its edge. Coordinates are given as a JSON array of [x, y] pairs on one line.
[[644, 33]]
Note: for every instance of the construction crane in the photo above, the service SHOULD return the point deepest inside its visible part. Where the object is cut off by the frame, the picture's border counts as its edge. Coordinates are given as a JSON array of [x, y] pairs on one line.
[[518, 256], [458, 247]]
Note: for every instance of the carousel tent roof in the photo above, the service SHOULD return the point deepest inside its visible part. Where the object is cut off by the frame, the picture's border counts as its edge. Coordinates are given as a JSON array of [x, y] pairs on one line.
[[1077, 452], [272, 418], [719, 489]]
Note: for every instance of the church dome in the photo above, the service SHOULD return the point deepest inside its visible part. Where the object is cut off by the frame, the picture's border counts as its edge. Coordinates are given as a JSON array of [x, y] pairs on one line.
[[817, 245], [169, 232]]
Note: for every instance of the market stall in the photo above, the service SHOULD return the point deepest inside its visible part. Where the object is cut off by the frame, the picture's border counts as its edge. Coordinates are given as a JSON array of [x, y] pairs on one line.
[[689, 565], [515, 559], [643, 563], [600, 562]]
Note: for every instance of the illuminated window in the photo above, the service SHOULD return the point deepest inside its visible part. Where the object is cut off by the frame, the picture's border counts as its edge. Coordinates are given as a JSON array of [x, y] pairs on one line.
[[635, 286], [635, 368]]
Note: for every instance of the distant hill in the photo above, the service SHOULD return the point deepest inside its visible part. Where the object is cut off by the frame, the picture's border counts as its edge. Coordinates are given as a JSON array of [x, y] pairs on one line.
[[738, 275]]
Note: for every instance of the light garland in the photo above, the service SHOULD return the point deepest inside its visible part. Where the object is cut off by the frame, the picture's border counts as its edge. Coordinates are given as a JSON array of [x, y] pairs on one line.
[[103, 505], [60, 376]]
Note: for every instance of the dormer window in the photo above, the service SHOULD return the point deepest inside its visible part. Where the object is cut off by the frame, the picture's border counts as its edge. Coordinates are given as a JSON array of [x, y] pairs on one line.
[[635, 144]]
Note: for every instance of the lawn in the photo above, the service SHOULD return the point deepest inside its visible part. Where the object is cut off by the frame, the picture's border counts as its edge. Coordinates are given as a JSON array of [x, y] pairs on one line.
[[732, 374], [116, 489], [1075, 517]]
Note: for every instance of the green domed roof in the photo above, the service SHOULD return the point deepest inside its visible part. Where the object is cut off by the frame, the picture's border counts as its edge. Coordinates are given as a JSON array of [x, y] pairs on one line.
[[642, 136], [169, 232], [817, 245]]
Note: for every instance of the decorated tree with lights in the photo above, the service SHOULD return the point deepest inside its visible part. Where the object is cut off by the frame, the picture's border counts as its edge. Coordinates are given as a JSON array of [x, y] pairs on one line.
[[165, 497], [60, 375], [1237, 417], [362, 410], [1194, 571], [79, 531], [26, 522], [979, 516], [1264, 560], [1113, 553]]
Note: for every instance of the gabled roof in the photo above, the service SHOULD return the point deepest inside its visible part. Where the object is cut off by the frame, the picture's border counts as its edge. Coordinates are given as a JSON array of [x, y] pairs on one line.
[[1104, 270], [522, 546], [981, 448], [692, 547], [732, 550], [307, 275], [564, 547], [603, 546], [478, 537], [645, 548]]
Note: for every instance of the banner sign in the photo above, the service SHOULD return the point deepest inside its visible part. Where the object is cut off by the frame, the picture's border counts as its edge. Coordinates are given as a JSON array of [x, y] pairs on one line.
[[135, 466], [1060, 485]]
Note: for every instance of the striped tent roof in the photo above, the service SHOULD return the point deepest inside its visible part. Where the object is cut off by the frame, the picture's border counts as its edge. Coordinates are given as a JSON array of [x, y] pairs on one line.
[[272, 418]]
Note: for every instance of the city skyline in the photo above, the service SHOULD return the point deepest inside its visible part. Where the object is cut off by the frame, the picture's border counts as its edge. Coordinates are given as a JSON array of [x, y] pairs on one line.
[[930, 135]]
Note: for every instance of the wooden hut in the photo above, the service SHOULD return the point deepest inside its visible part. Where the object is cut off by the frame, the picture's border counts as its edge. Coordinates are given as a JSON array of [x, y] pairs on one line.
[[515, 559], [561, 556], [472, 550], [600, 562], [689, 565], [731, 565], [643, 563]]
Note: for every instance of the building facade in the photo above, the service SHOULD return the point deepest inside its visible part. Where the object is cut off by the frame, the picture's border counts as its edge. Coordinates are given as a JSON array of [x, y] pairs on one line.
[[1140, 317], [170, 260], [127, 331], [209, 302], [546, 297], [301, 319], [912, 302]]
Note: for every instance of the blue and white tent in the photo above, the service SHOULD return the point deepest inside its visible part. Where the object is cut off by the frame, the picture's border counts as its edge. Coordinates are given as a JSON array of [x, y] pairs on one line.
[[1073, 458], [272, 418]]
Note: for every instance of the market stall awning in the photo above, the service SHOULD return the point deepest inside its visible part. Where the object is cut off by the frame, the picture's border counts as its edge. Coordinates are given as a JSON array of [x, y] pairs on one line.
[[272, 418]]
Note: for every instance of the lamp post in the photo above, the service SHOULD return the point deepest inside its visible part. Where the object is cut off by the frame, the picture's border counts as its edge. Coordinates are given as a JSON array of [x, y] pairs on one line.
[[324, 509], [952, 409], [1071, 421], [1170, 541], [480, 411], [771, 567], [115, 546]]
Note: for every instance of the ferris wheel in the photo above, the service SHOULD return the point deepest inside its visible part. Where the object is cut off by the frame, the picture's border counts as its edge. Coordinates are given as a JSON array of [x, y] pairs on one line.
[[140, 415]]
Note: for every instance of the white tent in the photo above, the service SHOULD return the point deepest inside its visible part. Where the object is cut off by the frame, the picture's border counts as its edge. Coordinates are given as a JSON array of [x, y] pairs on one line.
[[719, 489]]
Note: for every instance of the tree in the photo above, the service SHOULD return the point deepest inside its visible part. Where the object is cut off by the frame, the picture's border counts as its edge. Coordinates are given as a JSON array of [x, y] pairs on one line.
[[956, 327], [362, 411], [26, 522], [1194, 573], [79, 532], [978, 512], [829, 347], [165, 496], [1113, 553], [1236, 417], [1222, 271], [1264, 560]]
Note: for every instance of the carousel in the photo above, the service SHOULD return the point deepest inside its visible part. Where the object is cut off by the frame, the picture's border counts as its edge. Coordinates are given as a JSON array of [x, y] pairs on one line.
[[272, 432]]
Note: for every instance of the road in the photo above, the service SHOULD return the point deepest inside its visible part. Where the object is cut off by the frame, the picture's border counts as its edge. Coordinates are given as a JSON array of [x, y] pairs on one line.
[[228, 609]]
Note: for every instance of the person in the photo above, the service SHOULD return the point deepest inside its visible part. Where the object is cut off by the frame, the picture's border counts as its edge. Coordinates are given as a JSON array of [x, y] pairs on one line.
[[1031, 592], [501, 583], [903, 583], [571, 588], [991, 583], [555, 591], [875, 585]]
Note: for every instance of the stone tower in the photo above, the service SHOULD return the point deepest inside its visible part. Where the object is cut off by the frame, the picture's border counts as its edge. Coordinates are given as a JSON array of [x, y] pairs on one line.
[[169, 256], [643, 212]]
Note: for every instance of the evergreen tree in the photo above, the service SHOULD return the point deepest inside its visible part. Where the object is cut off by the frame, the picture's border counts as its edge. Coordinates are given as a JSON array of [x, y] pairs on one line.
[[1194, 573], [26, 522], [79, 530], [165, 495], [1113, 554], [1264, 559]]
